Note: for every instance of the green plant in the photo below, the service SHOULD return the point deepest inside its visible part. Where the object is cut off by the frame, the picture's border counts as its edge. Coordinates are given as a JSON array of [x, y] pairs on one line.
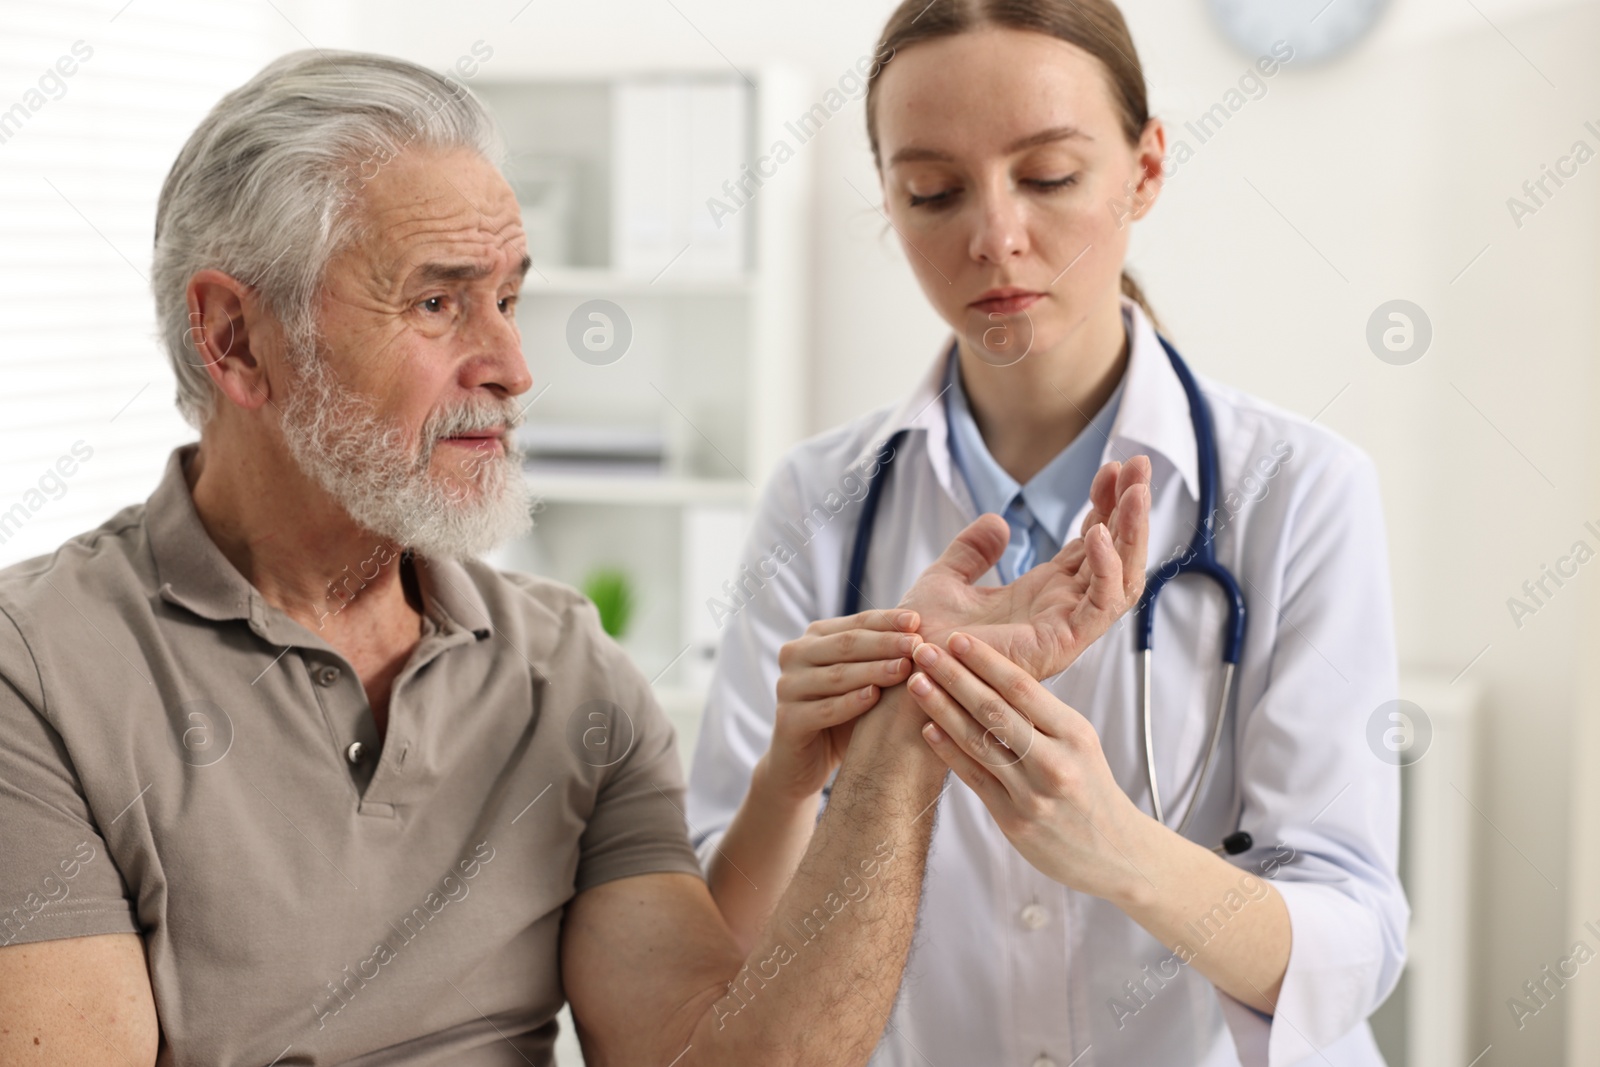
[[611, 590]]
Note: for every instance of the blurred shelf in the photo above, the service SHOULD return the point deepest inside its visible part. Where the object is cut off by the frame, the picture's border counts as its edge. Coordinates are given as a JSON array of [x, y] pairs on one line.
[[597, 281], [637, 489]]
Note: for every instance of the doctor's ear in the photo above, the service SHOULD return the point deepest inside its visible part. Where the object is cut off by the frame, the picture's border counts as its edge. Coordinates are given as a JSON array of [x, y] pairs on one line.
[[1150, 161], [221, 309]]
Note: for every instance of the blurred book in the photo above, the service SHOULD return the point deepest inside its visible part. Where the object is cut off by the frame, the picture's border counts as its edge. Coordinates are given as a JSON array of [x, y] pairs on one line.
[[675, 144], [591, 448]]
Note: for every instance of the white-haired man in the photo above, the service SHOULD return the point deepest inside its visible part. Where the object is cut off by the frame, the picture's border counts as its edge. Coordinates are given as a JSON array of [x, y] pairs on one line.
[[286, 775]]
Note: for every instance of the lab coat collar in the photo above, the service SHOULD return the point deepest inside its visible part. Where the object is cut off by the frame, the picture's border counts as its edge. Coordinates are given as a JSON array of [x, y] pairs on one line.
[[922, 413], [1153, 417]]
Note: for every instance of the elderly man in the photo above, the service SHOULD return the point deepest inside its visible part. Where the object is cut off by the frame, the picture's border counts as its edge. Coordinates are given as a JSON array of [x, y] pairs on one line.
[[287, 776]]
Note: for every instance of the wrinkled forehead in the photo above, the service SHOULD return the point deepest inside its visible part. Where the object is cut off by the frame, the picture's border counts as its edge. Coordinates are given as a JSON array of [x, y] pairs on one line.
[[427, 208]]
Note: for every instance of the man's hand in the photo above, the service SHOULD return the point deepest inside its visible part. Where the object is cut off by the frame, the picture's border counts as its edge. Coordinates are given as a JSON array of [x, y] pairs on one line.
[[1046, 618]]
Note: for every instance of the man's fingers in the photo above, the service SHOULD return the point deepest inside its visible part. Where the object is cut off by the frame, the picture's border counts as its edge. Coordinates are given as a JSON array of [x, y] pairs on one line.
[[975, 549], [1134, 471], [1129, 524], [1106, 596], [1102, 495]]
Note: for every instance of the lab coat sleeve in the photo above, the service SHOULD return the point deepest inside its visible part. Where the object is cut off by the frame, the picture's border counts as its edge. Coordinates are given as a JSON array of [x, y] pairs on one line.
[[1311, 783], [774, 604]]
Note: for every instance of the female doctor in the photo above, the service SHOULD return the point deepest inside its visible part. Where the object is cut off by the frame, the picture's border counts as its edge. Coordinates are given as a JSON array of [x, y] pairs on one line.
[[1063, 923]]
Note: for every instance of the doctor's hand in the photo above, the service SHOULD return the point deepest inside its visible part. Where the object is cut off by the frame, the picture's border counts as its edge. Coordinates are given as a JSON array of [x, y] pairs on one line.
[[832, 674], [1046, 618], [1035, 763]]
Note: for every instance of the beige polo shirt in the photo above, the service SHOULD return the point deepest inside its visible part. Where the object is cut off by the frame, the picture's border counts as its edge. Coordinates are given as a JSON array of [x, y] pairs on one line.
[[181, 759]]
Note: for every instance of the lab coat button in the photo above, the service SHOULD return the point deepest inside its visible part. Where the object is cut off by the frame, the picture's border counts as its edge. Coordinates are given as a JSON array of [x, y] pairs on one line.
[[1044, 1061], [355, 752], [326, 675], [1035, 916]]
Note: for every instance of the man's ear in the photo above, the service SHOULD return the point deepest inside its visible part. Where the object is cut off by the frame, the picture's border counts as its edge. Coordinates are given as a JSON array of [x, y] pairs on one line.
[[219, 339]]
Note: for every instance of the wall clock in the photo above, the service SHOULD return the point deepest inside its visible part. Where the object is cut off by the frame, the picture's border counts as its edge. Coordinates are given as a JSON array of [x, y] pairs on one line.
[[1315, 29]]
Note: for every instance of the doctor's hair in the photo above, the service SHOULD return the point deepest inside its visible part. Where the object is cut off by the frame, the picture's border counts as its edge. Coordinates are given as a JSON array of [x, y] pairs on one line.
[[1096, 26], [266, 187]]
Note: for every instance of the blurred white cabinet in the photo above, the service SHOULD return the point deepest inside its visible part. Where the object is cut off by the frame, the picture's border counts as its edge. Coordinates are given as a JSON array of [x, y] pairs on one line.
[[664, 325], [1426, 1022]]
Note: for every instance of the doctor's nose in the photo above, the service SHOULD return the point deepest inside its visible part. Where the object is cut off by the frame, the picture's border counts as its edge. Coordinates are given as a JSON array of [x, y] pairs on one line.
[[1001, 232]]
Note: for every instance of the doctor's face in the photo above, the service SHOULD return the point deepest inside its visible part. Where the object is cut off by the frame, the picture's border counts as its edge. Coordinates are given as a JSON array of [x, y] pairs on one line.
[[1011, 183]]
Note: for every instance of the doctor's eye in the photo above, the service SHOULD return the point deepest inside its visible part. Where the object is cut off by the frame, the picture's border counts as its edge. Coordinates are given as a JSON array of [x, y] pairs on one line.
[[938, 199], [1051, 184], [432, 304]]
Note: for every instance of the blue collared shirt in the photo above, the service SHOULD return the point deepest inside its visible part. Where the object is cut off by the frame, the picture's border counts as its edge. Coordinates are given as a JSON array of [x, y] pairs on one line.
[[1039, 512]]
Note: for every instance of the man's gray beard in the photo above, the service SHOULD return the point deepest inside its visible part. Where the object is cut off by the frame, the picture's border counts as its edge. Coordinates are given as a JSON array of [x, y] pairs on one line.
[[371, 467]]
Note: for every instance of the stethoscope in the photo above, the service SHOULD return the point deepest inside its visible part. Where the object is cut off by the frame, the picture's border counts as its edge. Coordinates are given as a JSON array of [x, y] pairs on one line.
[[1199, 558]]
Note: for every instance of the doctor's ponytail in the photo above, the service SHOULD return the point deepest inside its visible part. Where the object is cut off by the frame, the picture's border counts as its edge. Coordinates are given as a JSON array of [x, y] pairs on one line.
[[1096, 26]]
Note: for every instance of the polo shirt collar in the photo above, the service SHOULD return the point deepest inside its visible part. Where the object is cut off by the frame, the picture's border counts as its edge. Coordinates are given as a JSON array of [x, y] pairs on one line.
[[192, 572]]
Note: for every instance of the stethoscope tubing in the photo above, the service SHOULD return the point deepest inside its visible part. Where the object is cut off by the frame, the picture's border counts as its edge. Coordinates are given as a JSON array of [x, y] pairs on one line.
[[1199, 558]]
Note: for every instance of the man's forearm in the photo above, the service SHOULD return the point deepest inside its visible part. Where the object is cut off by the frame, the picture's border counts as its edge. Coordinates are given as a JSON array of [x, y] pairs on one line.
[[825, 970]]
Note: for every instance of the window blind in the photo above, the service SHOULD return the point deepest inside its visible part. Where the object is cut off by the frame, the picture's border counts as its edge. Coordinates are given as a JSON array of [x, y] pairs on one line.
[[96, 99]]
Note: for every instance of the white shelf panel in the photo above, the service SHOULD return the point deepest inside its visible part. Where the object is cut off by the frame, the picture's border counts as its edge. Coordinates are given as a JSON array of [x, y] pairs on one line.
[[642, 489], [594, 281]]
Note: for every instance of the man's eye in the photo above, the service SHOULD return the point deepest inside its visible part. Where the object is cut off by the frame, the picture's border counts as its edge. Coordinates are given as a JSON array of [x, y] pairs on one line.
[[507, 303], [432, 304]]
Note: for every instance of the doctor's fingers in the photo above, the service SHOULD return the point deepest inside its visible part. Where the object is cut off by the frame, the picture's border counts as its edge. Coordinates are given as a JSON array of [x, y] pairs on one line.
[[980, 720], [984, 758], [1017, 687], [889, 620], [806, 718], [838, 679], [851, 646]]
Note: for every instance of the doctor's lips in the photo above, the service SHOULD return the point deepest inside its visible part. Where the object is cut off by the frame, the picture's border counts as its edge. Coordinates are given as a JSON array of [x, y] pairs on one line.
[[1007, 301]]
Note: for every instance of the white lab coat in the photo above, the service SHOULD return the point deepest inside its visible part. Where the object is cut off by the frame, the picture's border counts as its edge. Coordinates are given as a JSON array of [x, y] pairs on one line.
[[1010, 968]]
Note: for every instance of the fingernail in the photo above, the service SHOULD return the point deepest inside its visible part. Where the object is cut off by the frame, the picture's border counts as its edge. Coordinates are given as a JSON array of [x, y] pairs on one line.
[[908, 644], [927, 655], [905, 620], [920, 685], [864, 693], [896, 666], [933, 733], [960, 644]]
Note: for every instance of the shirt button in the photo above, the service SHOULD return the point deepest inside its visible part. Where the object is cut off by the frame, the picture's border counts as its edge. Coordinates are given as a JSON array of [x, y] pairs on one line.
[[1035, 916], [355, 752], [1044, 1061], [326, 675]]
